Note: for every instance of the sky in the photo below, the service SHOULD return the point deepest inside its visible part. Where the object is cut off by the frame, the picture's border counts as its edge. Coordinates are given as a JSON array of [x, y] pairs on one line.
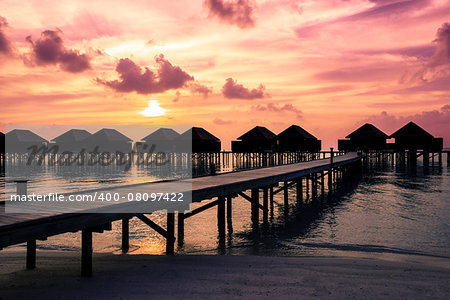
[[329, 66]]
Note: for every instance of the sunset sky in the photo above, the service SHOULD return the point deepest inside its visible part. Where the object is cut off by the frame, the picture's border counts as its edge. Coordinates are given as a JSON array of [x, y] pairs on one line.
[[328, 66]]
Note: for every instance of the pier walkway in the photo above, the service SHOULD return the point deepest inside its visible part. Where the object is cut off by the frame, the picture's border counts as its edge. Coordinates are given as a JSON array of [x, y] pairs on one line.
[[20, 228]]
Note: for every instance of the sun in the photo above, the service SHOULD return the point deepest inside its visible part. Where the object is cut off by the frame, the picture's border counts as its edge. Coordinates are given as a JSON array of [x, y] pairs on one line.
[[153, 109]]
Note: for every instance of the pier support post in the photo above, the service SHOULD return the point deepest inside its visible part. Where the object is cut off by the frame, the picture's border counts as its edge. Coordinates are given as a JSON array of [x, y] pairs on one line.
[[230, 214], [448, 158], [330, 171], [440, 158], [286, 195], [31, 254], [125, 235], [299, 186], [86, 253], [426, 159], [255, 207], [314, 186], [221, 217], [266, 205], [307, 186], [322, 183], [180, 227], [170, 239]]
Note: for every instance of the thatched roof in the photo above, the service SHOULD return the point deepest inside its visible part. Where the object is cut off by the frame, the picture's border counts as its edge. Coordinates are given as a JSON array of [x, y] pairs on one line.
[[367, 131], [198, 134], [76, 135], [258, 133], [296, 132], [22, 135], [111, 135], [162, 134], [411, 130]]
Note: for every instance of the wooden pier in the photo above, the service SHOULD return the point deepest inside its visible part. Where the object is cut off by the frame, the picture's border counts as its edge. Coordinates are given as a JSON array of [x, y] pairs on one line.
[[310, 178]]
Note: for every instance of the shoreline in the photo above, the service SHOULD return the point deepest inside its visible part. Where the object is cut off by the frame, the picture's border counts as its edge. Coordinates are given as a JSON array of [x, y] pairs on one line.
[[224, 277]]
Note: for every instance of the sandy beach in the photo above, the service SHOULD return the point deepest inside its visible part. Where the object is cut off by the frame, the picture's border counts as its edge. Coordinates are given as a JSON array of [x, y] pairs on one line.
[[224, 277]]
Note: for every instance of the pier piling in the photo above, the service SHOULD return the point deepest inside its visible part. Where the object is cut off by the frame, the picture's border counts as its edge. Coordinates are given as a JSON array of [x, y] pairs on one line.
[[86, 253], [125, 235]]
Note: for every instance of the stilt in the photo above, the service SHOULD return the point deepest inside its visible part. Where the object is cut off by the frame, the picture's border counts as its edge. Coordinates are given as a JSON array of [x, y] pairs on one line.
[[322, 183], [221, 217], [180, 227], [330, 172], [170, 240], [299, 185], [266, 205], [125, 235], [229, 214], [255, 207], [286, 195], [271, 201], [426, 159], [31, 254], [86, 253]]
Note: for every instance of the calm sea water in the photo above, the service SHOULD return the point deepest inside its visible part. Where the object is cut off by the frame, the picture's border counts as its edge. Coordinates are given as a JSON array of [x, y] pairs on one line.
[[387, 210]]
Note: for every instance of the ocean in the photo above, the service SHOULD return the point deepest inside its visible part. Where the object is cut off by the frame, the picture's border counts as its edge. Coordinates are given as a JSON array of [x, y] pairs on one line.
[[387, 210]]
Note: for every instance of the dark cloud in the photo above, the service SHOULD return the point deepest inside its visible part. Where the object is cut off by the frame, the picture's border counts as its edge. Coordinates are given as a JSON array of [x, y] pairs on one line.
[[49, 49], [233, 90], [239, 12], [278, 108], [144, 81], [198, 88], [5, 45]]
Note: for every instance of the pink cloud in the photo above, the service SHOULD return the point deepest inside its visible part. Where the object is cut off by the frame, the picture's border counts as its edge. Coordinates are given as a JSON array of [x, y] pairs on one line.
[[198, 88], [233, 90], [279, 108], [134, 79], [219, 121], [49, 49], [5, 45], [239, 12]]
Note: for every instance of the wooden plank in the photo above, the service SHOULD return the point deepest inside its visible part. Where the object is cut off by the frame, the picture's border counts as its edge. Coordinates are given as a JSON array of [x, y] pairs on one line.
[[153, 225], [200, 209]]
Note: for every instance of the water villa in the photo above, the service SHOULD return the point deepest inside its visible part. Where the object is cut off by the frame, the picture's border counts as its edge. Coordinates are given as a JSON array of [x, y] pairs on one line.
[[295, 138], [163, 140], [108, 140], [413, 137], [19, 140], [258, 139], [2, 143], [72, 140], [366, 137], [202, 140]]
